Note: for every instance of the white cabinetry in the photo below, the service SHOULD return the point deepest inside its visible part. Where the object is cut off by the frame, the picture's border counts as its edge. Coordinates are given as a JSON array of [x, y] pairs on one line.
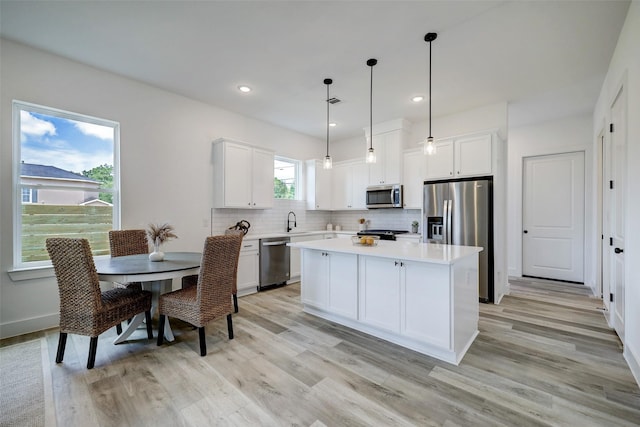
[[349, 185], [380, 293], [294, 255], [331, 282], [414, 175], [389, 138], [461, 157], [387, 168], [248, 265], [243, 175], [318, 186]]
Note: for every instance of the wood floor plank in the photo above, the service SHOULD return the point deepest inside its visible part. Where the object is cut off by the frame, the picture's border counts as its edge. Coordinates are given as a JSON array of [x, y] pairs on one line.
[[545, 356]]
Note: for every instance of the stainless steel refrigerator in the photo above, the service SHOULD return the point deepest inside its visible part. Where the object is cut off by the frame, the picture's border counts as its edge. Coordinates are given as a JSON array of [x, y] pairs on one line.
[[460, 212]]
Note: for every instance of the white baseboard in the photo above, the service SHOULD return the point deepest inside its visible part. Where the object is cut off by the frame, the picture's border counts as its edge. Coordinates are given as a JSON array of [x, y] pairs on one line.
[[633, 361], [25, 326]]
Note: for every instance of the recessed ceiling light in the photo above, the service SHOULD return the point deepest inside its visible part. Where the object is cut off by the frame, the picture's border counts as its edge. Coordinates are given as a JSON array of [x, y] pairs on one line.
[[244, 89], [417, 98], [332, 125]]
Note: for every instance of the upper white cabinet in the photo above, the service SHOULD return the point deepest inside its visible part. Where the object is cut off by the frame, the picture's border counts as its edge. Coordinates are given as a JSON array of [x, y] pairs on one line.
[[243, 175], [318, 186], [388, 141], [349, 185], [413, 176], [461, 157]]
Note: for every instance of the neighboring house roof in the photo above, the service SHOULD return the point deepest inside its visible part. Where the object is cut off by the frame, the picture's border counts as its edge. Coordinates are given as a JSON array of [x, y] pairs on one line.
[[95, 202], [43, 171]]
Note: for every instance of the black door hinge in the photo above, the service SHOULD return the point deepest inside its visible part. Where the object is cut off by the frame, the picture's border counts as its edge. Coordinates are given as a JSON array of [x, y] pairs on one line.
[[610, 127], [610, 297], [611, 185], [610, 241]]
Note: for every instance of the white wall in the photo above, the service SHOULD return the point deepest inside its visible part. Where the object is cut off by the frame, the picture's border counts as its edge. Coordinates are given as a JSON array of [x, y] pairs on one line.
[[625, 64], [165, 152], [558, 136]]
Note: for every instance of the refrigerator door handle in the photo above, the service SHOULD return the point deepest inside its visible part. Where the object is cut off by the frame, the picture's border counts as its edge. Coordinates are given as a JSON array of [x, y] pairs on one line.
[[450, 220], [445, 222]]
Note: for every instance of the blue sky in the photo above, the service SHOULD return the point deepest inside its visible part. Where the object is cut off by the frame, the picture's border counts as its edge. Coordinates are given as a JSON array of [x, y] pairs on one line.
[[67, 144]]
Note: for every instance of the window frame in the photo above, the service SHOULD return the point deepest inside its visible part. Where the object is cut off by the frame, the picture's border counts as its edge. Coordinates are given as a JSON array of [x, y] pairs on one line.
[[296, 178], [17, 106]]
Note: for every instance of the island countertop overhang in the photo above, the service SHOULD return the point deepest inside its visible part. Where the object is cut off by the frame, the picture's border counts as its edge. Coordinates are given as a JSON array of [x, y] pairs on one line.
[[421, 252]]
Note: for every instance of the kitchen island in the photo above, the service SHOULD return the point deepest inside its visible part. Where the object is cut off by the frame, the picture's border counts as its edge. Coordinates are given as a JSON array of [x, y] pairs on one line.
[[417, 295]]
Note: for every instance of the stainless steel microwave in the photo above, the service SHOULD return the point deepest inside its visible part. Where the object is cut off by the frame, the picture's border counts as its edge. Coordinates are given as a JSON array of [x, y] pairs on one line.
[[384, 196]]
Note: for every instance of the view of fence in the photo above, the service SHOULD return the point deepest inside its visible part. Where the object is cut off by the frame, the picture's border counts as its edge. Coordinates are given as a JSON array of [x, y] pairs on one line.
[[40, 222]]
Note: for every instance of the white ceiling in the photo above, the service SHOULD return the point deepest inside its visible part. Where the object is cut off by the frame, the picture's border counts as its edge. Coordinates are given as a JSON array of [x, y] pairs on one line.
[[546, 58]]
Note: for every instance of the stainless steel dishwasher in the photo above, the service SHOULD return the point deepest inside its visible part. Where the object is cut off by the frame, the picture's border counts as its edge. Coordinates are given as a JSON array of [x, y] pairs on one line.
[[274, 261]]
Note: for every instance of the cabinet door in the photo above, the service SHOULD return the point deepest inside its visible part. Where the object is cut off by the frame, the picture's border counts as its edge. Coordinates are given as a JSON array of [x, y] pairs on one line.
[[376, 170], [415, 165], [392, 161], [341, 194], [237, 177], [323, 188], [248, 268], [359, 182], [421, 285], [343, 284], [295, 258], [440, 164], [473, 156], [315, 291], [379, 286], [262, 196]]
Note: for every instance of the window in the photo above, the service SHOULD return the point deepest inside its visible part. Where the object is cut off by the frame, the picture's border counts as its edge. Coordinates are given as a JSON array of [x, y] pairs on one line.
[[286, 172], [66, 178]]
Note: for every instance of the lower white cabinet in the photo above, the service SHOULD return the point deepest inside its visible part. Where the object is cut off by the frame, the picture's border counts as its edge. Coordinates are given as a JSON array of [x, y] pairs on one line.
[[294, 256], [331, 282], [380, 293], [248, 267]]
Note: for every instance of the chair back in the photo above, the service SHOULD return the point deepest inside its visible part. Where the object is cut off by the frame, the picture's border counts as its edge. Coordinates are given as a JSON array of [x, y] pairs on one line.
[[218, 271], [128, 242], [78, 281]]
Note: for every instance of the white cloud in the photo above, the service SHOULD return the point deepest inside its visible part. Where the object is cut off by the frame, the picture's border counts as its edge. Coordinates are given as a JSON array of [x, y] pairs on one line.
[[102, 132], [31, 125], [67, 159]]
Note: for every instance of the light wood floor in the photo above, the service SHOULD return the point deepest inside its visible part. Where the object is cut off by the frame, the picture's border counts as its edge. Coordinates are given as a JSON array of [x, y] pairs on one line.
[[544, 356]]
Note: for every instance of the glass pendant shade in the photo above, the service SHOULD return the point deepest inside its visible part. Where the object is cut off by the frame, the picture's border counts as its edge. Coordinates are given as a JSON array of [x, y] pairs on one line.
[[371, 156], [429, 147], [327, 164]]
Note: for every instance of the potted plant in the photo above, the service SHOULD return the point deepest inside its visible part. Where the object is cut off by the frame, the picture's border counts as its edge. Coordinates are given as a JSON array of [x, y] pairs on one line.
[[157, 234], [414, 226]]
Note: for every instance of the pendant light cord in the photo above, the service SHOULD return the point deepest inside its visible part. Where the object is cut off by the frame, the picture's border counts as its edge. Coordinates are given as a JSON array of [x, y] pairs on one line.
[[430, 90], [371, 109], [327, 118]]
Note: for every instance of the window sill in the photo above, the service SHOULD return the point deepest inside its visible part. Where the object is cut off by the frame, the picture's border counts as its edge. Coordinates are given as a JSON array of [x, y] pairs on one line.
[[41, 272]]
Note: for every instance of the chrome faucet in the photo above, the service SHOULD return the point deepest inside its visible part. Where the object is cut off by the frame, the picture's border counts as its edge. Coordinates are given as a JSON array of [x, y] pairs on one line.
[[289, 221]]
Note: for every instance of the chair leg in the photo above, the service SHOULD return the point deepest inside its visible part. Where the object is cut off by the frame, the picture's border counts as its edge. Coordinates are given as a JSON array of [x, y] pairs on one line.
[[203, 341], [160, 329], [230, 326], [93, 345], [235, 303], [119, 328], [147, 316], [62, 343]]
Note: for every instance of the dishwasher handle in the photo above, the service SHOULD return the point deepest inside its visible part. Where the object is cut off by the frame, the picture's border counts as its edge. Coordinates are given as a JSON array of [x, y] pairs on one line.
[[278, 243]]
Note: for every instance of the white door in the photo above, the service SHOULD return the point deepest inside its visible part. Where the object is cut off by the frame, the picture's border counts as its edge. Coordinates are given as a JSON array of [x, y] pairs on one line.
[[553, 217], [617, 206]]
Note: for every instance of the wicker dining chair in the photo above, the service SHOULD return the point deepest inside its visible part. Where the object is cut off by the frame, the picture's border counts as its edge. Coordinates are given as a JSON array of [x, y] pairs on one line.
[[210, 298], [128, 242], [193, 279], [84, 309]]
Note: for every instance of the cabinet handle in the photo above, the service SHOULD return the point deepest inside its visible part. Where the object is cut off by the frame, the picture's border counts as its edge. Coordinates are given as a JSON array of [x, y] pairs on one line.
[[401, 264], [458, 172], [395, 263], [451, 173]]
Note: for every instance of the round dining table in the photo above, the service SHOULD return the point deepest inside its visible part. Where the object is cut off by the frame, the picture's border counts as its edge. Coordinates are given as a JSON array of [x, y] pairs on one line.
[[156, 276]]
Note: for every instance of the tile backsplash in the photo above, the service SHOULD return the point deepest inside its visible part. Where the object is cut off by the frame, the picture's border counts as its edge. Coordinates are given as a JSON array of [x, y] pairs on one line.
[[275, 220]]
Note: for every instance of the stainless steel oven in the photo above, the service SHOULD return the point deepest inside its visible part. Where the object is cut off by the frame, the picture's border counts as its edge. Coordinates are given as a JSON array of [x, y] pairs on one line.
[[274, 261], [384, 196]]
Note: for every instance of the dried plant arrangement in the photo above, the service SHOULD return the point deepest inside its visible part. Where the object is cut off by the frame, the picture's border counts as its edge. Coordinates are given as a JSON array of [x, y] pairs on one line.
[[160, 233]]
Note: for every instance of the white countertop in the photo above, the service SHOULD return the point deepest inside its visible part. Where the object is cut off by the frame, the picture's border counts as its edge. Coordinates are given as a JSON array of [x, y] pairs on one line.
[[251, 236], [402, 250]]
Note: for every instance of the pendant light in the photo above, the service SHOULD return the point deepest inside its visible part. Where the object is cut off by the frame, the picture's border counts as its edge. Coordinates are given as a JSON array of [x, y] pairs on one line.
[[371, 155], [429, 146], [327, 164]]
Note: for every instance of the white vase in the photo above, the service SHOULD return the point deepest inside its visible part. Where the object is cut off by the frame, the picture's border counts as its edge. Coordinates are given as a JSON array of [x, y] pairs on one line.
[[362, 227], [157, 254]]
